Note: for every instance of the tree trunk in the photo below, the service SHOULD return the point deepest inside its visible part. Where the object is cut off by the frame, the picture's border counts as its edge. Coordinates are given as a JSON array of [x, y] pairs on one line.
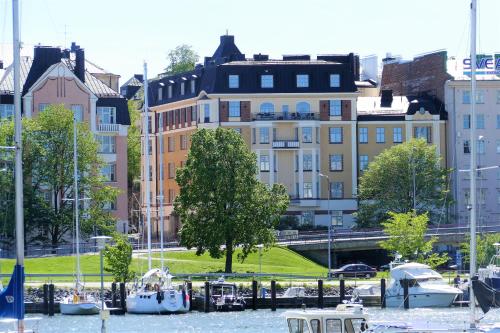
[[229, 257]]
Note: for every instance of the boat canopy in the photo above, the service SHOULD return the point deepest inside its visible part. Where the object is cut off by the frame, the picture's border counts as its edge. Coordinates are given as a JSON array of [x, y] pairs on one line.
[[414, 271]]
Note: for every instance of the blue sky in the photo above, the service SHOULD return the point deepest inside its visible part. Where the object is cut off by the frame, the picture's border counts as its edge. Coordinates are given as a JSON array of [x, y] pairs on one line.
[[119, 34]]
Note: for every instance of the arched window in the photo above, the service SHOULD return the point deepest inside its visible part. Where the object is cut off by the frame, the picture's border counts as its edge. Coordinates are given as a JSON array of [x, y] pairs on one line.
[[303, 107], [267, 108]]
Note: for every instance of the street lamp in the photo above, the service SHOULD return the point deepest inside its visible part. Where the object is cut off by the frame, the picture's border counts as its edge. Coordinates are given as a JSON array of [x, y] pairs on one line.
[[101, 243], [329, 226]]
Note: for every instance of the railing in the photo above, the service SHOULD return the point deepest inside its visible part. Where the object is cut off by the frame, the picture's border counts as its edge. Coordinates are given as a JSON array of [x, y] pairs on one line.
[[108, 127], [286, 144], [285, 116]]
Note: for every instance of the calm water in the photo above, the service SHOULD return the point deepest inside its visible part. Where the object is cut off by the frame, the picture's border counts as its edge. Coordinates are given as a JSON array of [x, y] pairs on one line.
[[262, 321]]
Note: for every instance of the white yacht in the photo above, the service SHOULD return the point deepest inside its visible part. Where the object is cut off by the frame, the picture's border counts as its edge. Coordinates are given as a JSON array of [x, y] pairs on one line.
[[156, 294], [426, 287]]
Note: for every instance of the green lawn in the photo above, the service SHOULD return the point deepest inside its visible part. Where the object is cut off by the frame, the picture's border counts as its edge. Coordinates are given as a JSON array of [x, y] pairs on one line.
[[276, 260]]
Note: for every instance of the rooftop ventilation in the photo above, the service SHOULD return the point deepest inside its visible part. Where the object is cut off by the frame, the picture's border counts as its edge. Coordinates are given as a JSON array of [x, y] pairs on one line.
[[291, 57]]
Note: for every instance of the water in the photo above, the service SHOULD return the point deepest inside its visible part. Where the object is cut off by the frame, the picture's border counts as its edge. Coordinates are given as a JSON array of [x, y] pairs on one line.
[[261, 321]]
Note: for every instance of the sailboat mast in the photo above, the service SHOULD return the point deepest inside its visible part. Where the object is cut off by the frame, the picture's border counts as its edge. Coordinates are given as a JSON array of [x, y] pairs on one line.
[[146, 161], [473, 163], [75, 201], [18, 162], [161, 199]]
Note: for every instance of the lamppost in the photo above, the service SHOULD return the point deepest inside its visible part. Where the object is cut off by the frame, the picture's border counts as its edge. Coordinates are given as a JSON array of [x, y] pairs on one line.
[[101, 243], [329, 226]]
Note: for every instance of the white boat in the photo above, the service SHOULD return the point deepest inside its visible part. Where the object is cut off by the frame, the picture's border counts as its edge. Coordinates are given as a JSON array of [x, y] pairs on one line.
[[294, 292], [426, 287], [79, 304], [156, 295]]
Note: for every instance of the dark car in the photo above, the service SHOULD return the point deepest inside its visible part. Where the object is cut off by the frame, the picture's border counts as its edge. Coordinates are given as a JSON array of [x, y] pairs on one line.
[[354, 270]]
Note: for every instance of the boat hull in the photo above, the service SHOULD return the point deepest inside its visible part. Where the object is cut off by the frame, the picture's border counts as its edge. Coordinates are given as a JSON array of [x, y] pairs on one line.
[[423, 300], [79, 308], [486, 296], [156, 303]]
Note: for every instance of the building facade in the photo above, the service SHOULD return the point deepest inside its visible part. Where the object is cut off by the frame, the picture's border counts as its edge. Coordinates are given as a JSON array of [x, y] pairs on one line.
[[55, 76]]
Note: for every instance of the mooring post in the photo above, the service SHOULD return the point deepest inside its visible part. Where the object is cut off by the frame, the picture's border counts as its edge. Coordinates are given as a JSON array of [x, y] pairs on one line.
[[45, 299], [273, 295], [406, 294], [190, 293], [51, 300], [320, 294], [342, 290], [207, 296], [382, 293], [123, 296], [254, 295], [113, 295]]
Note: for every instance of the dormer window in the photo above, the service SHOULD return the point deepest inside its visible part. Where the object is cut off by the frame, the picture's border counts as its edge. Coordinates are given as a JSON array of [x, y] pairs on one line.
[[160, 93], [193, 85], [334, 80], [183, 88], [234, 81], [266, 81], [302, 80], [169, 91], [106, 115]]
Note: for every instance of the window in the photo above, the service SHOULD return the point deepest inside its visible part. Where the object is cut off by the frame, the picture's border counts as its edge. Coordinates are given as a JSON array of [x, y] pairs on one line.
[[307, 134], [397, 135], [267, 108], [466, 97], [77, 111], [380, 135], [150, 173], [171, 143], [316, 326], [498, 146], [193, 86], [302, 80], [184, 142], [171, 195], [169, 92], [334, 80], [107, 115], [206, 113], [363, 162], [264, 135], [363, 135], [171, 170], [109, 205], [479, 97], [481, 147], [308, 190], [234, 109], [193, 113], [423, 133], [264, 162], [150, 147], [337, 190], [480, 121], [6, 110], [333, 326], [254, 135], [296, 325], [336, 162], [234, 81], [337, 220], [355, 325], [107, 144], [42, 106], [466, 147], [109, 172], [182, 88], [335, 135], [317, 135], [266, 81], [335, 108], [303, 107], [160, 93], [466, 121], [307, 164], [162, 171]]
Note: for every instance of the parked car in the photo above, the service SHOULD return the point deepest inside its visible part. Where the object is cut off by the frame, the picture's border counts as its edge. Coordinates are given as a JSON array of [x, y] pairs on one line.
[[354, 270]]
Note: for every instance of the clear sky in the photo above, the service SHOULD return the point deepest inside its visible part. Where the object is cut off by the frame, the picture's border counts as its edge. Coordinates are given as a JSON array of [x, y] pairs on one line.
[[119, 34]]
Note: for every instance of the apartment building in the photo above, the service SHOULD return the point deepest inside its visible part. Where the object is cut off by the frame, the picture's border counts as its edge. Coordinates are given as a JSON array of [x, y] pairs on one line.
[[302, 118], [55, 76]]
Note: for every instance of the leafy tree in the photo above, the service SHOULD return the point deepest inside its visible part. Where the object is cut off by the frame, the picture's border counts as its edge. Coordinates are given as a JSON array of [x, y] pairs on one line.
[[484, 248], [221, 203], [181, 59], [134, 142], [406, 233], [118, 258], [387, 184]]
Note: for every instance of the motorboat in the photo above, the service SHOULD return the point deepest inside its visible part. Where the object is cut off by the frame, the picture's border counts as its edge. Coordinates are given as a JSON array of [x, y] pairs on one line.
[[79, 303], [491, 274], [426, 287], [156, 294], [224, 296]]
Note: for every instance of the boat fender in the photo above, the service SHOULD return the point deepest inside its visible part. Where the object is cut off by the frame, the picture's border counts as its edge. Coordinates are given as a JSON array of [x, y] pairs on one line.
[[184, 297]]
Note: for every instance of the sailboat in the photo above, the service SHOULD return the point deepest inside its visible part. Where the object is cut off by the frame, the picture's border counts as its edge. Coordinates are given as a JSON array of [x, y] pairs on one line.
[[155, 293], [79, 303]]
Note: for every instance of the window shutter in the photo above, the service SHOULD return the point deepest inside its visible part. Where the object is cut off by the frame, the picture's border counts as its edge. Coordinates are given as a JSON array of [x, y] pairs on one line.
[[346, 110], [324, 110], [245, 110], [223, 111]]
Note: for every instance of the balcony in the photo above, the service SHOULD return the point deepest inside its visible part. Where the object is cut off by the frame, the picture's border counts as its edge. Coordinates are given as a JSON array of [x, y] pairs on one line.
[[108, 127], [286, 144], [293, 116]]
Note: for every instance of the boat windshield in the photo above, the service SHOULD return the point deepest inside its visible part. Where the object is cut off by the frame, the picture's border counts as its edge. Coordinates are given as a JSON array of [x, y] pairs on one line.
[[298, 325], [219, 290]]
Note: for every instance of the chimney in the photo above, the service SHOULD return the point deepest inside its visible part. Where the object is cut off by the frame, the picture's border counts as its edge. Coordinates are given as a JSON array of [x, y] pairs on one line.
[[79, 63], [260, 57], [386, 100], [43, 58]]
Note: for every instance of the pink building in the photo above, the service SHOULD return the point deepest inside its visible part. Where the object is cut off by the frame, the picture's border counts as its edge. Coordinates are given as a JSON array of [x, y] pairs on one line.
[[55, 76]]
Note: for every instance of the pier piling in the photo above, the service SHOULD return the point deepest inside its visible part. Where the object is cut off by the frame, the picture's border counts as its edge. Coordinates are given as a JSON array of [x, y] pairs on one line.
[[320, 294], [51, 300], [207, 297], [406, 294], [342, 290], [45, 299], [254, 295], [273, 295], [382, 293], [113, 295], [190, 293], [123, 296]]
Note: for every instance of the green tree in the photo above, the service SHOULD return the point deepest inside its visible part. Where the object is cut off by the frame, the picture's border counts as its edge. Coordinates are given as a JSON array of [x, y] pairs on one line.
[[484, 248], [118, 258], [406, 233], [388, 184], [181, 59], [134, 142], [221, 203]]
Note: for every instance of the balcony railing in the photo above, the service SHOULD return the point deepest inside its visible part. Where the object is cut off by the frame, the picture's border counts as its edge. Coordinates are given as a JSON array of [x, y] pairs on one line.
[[285, 116], [108, 127], [284, 144]]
